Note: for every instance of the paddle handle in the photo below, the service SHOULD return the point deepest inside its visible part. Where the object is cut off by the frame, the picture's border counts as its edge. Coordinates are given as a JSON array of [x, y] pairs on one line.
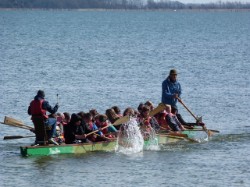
[[121, 120], [205, 128], [97, 130], [16, 137], [187, 109], [216, 131], [57, 98]]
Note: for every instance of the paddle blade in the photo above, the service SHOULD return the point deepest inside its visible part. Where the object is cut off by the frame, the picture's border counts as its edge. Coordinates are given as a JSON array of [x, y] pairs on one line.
[[13, 122], [13, 125], [209, 133], [158, 109], [214, 131], [10, 121], [122, 120]]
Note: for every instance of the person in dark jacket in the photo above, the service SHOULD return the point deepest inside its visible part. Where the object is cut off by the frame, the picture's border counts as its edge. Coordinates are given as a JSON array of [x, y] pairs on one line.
[[73, 129], [38, 108], [171, 92], [171, 89]]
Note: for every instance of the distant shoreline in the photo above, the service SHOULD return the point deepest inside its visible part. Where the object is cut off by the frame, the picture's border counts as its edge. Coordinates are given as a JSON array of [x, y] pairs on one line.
[[103, 9]]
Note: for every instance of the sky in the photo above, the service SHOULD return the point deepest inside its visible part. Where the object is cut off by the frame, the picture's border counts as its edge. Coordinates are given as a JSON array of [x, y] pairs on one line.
[[212, 1]]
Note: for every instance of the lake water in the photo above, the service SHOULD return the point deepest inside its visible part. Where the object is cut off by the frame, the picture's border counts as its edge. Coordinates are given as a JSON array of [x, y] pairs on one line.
[[98, 59]]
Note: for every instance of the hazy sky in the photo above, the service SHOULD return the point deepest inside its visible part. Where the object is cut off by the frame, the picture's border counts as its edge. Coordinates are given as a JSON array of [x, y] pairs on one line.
[[212, 1]]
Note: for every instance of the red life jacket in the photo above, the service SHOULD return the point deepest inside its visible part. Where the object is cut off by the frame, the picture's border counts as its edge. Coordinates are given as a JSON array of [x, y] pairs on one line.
[[147, 121], [105, 131], [36, 109]]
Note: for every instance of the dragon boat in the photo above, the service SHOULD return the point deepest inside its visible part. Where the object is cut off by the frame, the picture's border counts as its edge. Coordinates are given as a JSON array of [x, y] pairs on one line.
[[81, 148], [162, 138]]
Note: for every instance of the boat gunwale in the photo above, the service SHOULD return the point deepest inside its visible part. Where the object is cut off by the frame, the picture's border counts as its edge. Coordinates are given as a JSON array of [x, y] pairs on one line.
[[67, 145]]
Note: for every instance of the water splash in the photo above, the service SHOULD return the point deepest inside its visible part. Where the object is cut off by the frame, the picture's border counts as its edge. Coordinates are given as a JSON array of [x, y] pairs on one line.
[[199, 136], [130, 139], [150, 140]]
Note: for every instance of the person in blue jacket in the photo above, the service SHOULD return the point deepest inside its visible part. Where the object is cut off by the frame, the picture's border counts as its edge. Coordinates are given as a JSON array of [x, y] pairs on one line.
[[171, 89], [171, 93]]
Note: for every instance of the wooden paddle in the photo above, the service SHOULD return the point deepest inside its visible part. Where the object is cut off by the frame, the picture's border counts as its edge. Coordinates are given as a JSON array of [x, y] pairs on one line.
[[103, 137], [12, 125], [158, 109], [177, 134], [15, 123], [119, 121], [174, 133], [16, 137], [214, 131], [209, 133], [182, 138]]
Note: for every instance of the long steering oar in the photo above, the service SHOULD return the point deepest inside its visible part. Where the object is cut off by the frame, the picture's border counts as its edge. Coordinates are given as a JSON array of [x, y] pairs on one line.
[[209, 133], [15, 123], [121, 120], [16, 137]]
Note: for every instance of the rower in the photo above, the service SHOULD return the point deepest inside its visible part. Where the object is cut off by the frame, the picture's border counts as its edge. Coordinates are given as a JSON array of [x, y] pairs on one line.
[[42, 122], [172, 120]]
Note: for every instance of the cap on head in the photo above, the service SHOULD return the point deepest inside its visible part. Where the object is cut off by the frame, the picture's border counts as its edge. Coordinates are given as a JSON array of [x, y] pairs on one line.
[[41, 93], [173, 72]]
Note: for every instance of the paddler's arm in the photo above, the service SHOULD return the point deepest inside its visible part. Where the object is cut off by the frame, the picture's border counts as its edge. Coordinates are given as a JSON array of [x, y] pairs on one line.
[[49, 108]]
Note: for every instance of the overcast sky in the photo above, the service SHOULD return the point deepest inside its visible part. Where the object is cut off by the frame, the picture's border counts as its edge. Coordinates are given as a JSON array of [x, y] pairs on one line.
[[212, 1]]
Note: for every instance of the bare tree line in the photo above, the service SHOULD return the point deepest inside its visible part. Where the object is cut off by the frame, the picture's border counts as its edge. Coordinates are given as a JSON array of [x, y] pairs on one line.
[[118, 4]]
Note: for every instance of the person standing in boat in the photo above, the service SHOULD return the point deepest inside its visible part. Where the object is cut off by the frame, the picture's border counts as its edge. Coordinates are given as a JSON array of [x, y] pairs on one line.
[[171, 92], [171, 89], [38, 108]]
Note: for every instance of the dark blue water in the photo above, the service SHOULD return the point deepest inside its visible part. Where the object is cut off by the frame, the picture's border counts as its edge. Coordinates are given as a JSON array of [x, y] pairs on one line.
[[98, 59]]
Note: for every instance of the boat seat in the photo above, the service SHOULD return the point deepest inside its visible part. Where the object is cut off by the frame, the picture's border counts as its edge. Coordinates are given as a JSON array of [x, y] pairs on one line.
[[41, 131]]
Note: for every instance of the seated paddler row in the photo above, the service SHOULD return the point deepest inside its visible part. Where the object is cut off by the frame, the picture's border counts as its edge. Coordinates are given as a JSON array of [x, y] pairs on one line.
[[92, 126]]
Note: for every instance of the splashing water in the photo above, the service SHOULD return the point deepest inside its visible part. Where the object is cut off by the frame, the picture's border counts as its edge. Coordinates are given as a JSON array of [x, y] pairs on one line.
[[151, 141], [200, 136], [130, 139]]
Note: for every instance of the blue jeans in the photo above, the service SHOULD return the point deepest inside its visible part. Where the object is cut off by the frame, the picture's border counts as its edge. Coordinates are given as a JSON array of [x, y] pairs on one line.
[[51, 122]]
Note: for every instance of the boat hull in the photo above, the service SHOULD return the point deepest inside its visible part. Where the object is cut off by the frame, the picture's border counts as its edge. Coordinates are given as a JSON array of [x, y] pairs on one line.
[[87, 147], [68, 148]]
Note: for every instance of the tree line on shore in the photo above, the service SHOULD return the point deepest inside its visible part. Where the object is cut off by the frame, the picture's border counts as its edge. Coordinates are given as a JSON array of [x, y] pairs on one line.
[[118, 4]]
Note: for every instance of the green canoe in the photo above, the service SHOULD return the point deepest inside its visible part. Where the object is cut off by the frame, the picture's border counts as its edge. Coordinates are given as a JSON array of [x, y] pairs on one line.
[[87, 147]]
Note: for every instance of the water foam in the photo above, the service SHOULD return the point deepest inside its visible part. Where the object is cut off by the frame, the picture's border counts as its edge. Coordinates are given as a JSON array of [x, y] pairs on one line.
[[130, 139]]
